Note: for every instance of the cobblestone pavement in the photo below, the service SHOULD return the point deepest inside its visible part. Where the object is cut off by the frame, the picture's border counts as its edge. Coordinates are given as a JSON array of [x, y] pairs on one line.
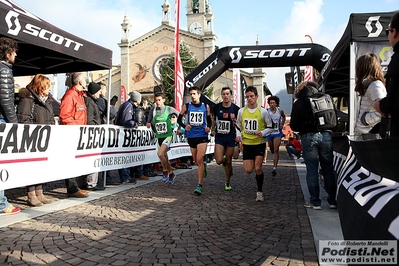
[[156, 224]]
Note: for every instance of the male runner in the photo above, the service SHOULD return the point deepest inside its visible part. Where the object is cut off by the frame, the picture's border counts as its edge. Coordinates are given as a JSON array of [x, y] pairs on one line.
[[223, 128], [255, 124], [198, 121], [160, 118]]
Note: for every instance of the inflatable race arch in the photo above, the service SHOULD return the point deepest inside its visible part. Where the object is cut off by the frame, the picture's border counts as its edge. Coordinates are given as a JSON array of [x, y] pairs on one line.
[[284, 55]]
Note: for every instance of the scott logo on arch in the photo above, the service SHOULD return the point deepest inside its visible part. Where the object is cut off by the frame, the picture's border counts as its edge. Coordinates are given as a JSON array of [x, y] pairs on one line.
[[236, 55]]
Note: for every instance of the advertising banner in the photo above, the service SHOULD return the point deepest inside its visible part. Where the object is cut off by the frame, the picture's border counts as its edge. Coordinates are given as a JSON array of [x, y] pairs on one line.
[[33, 154], [367, 202]]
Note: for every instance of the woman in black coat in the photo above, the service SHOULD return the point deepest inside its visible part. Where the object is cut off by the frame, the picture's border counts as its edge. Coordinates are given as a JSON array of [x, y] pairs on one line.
[[35, 107]]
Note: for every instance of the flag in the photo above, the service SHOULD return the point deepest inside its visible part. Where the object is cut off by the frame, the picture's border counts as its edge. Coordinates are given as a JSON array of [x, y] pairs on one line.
[[179, 76], [236, 86], [308, 73], [308, 76], [123, 94], [265, 103]]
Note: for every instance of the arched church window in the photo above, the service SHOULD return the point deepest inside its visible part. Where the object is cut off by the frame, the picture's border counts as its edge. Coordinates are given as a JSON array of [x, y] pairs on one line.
[[195, 6]]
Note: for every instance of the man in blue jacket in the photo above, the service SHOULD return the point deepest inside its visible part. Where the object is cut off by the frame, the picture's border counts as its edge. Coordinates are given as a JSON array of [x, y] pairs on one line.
[[131, 115]]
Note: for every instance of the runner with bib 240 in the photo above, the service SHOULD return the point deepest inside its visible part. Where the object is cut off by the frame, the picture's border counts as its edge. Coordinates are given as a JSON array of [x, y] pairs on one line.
[[223, 128]]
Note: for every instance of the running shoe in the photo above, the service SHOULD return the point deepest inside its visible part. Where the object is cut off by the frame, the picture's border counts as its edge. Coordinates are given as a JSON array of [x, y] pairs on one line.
[[227, 186], [259, 196], [205, 172], [274, 172], [198, 190], [11, 210], [172, 177], [165, 177], [310, 205]]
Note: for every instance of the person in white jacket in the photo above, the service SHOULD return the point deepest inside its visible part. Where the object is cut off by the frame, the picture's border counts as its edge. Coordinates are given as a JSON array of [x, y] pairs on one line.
[[370, 86]]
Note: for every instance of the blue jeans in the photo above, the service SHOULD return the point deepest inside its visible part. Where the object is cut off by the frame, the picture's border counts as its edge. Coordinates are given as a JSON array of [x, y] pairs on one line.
[[147, 168], [124, 174], [72, 185], [291, 150], [3, 201], [317, 148], [136, 171]]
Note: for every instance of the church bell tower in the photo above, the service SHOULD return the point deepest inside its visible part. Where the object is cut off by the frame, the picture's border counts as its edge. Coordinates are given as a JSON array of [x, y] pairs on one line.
[[199, 17], [200, 22]]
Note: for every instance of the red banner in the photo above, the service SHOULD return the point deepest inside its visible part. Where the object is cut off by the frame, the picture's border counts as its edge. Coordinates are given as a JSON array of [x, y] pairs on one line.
[[123, 94], [179, 76], [308, 73], [236, 86], [308, 69], [265, 103]]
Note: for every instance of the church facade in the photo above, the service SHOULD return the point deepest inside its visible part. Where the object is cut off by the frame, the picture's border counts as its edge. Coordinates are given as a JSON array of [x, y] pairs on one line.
[[141, 57]]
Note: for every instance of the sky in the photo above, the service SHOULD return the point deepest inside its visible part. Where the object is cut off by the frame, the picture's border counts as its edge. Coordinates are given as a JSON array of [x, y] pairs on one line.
[[235, 22]]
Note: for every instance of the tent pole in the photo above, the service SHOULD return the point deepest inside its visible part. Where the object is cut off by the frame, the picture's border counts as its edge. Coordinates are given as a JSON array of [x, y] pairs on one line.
[[352, 96], [108, 111], [109, 95]]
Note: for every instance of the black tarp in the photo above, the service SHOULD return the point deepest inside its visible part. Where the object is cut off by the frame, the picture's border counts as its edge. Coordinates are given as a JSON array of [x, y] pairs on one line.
[[367, 173], [362, 27], [378, 156], [46, 49]]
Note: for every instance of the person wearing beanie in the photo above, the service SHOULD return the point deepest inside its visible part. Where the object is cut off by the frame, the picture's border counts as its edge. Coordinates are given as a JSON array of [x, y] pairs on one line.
[[93, 88], [131, 115], [93, 113], [91, 181], [135, 96]]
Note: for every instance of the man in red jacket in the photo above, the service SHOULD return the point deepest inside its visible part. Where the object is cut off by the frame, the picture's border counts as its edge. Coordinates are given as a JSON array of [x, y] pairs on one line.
[[73, 112], [294, 147], [73, 108]]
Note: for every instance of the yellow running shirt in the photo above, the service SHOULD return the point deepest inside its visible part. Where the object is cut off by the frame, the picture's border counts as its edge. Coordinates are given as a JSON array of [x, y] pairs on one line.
[[252, 123]]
